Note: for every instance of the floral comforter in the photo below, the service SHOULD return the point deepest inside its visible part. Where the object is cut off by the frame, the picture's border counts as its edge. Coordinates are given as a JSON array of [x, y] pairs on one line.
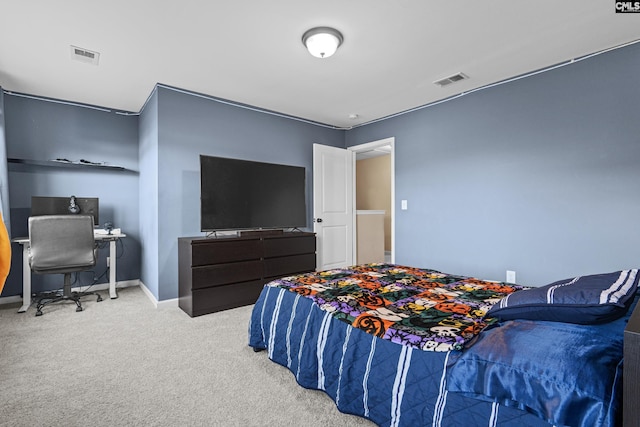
[[421, 308]]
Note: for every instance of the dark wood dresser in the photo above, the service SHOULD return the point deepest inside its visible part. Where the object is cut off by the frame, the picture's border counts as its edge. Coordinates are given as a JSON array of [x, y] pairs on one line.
[[222, 272]]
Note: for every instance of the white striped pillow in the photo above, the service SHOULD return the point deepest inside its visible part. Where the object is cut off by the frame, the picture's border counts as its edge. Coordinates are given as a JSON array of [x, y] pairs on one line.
[[597, 298]]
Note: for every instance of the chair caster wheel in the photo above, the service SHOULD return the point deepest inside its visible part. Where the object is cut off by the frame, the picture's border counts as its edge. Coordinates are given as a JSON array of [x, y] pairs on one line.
[[78, 308], [38, 313], [99, 298]]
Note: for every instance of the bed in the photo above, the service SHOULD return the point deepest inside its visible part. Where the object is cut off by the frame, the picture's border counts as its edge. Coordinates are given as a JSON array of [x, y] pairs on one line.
[[406, 346]]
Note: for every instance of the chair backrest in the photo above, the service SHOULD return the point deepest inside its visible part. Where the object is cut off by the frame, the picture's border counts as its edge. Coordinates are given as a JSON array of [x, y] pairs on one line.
[[61, 243]]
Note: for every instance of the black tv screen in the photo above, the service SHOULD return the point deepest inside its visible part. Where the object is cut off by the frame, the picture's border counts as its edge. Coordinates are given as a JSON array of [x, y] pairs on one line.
[[242, 194]]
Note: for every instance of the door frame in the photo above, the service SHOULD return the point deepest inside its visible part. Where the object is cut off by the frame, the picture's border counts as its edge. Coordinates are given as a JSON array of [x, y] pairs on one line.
[[368, 147]]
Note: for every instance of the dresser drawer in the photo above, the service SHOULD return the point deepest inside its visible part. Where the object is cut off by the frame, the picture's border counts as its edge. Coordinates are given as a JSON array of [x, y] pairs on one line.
[[222, 274], [284, 266], [226, 296], [278, 247], [206, 252]]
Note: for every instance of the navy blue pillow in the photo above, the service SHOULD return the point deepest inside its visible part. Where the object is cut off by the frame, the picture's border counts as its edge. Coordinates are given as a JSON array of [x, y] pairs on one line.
[[583, 300]]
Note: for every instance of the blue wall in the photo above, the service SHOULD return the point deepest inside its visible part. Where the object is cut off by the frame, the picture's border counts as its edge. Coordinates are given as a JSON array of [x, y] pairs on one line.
[[160, 200], [148, 188], [4, 173], [41, 130], [190, 125], [539, 175]]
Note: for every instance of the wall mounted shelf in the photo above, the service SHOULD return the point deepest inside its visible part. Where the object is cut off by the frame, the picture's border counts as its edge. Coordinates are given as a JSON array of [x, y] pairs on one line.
[[63, 164]]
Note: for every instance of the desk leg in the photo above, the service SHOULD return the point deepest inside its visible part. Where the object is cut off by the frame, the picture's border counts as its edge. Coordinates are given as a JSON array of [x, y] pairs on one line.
[[112, 270], [26, 279]]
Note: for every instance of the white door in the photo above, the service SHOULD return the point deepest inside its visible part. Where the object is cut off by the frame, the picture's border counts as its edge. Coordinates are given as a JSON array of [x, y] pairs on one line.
[[333, 206]]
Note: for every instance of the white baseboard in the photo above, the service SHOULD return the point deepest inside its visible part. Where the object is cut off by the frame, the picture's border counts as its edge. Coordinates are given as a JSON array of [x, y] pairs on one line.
[[96, 287], [105, 286], [11, 299], [170, 303]]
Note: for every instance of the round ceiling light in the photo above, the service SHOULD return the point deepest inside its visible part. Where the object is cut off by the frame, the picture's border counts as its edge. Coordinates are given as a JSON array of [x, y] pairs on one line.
[[322, 42]]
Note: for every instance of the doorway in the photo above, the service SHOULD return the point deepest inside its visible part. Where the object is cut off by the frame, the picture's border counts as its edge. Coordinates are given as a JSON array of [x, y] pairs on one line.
[[381, 155]]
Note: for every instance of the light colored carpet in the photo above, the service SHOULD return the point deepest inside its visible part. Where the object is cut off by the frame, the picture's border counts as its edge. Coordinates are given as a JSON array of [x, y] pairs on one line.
[[123, 362]]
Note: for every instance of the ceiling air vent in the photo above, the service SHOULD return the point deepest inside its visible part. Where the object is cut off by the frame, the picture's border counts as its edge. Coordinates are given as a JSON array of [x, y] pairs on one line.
[[451, 79], [84, 55]]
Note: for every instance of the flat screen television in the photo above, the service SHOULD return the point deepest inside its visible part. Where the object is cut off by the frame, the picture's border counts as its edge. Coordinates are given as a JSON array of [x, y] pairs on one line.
[[246, 195], [71, 205]]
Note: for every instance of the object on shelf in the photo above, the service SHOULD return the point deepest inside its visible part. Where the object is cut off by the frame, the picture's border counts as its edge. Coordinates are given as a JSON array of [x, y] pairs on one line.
[[87, 162]]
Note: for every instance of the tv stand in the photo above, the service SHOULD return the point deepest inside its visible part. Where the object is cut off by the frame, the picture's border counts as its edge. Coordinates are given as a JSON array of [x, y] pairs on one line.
[[221, 272]]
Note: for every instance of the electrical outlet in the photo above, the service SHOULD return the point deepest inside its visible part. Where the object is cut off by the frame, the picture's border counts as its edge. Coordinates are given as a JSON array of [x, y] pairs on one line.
[[404, 205], [511, 276]]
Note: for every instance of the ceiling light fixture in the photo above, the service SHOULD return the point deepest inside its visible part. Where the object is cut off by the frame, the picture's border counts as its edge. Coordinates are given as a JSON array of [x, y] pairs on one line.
[[322, 42]]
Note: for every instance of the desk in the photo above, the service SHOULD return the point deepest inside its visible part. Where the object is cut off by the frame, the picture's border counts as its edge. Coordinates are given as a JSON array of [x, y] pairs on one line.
[[26, 270]]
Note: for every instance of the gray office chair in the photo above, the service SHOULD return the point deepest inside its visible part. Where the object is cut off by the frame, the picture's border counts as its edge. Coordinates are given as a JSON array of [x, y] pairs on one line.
[[62, 244]]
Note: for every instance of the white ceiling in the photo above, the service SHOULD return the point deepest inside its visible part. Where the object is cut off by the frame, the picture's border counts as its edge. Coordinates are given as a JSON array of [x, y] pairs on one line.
[[251, 51]]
